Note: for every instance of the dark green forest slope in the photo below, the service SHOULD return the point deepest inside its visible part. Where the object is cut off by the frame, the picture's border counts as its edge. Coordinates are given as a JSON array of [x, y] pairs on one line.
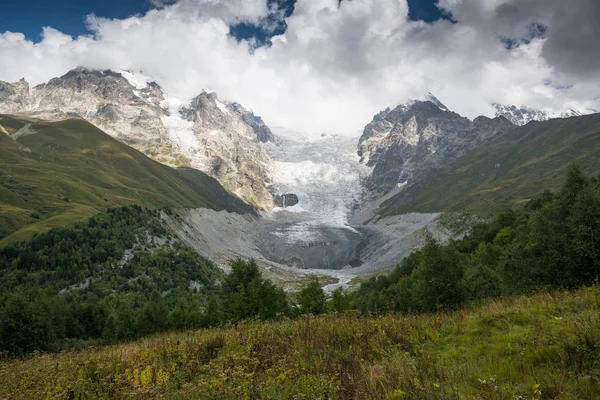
[[56, 173], [119, 276]]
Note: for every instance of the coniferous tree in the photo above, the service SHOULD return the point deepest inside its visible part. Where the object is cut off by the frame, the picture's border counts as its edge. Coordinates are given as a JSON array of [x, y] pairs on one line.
[[312, 298]]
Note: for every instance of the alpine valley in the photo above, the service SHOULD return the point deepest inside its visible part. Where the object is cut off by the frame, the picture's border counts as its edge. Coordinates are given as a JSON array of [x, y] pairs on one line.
[[335, 206], [158, 247]]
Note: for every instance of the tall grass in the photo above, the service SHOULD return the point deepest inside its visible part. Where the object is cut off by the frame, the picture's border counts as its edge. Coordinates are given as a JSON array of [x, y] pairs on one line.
[[539, 347]]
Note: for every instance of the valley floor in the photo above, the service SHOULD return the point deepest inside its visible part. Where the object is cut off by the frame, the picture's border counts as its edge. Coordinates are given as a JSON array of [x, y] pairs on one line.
[[279, 242], [542, 346]]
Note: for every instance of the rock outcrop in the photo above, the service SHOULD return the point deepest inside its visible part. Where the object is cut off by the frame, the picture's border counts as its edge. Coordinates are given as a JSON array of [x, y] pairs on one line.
[[285, 200], [228, 147]]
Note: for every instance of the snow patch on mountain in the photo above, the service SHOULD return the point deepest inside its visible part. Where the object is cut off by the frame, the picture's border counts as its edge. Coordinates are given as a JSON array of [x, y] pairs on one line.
[[222, 107], [523, 115], [180, 130], [137, 80]]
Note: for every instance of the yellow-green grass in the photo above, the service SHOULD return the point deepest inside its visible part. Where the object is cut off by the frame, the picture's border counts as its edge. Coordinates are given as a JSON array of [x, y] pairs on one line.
[[68, 170], [75, 214], [357, 280], [539, 347]]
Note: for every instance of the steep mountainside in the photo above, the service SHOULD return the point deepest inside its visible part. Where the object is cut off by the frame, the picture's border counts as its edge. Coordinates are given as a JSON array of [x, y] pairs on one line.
[[405, 145], [54, 173], [226, 146], [516, 166], [220, 139]]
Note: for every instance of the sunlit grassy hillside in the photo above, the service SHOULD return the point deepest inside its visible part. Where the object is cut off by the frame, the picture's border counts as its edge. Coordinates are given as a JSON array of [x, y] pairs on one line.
[[55, 173]]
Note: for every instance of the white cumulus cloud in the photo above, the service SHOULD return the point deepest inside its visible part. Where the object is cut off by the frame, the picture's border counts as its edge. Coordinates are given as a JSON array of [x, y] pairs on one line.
[[336, 65]]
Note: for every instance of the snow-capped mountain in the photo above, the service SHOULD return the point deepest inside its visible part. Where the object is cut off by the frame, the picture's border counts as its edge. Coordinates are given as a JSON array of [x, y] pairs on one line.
[[405, 145], [219, 138], [523, 115]]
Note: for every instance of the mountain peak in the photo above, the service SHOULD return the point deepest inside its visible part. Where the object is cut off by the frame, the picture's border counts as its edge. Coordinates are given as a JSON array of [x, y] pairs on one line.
[[405, 144], [523, 115], [430, 97]]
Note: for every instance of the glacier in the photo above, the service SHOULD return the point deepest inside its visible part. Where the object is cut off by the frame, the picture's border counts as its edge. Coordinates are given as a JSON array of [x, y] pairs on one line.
[[323, 172]]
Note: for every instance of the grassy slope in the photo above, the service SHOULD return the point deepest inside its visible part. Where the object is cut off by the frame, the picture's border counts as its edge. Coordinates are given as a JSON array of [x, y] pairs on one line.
[[531, 158], [70, 170], [543, 346]]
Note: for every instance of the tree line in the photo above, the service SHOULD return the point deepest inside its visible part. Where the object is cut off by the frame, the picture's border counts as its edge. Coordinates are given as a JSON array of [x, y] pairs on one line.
[[120, 275]]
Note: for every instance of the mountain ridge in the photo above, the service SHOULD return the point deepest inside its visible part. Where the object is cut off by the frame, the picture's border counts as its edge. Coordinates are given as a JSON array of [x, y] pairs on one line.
[[510, 169], [523, 115], [406, 144], [139, 113]]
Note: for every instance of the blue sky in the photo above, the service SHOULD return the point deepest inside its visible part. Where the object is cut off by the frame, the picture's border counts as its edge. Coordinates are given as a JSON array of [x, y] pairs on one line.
[[68, 16]]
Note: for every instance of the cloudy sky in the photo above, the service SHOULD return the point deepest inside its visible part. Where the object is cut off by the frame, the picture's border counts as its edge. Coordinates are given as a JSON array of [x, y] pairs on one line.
[[321, 65]]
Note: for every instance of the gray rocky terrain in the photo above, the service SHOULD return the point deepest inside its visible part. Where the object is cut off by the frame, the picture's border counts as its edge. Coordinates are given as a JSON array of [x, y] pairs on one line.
[[289, 246]]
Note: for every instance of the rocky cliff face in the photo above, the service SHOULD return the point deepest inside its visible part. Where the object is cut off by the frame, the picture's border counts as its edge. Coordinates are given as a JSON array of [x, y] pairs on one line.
[[131, 114], [405, 145], [14, 97], [218, 138], [228, 147]]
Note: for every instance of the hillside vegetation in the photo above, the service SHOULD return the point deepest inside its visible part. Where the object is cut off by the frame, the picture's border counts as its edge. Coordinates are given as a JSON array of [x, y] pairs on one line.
[[56, 173], [121, 275], [511, 170], [540, 347], [553, 242], [118, 276]]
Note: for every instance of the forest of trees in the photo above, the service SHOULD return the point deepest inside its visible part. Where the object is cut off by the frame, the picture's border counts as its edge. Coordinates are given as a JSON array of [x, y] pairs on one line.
[[117, 276], [120, 275], [552, 242]]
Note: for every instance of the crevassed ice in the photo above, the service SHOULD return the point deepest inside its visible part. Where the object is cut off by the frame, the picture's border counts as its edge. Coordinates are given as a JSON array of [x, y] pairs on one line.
[[324, 173]]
